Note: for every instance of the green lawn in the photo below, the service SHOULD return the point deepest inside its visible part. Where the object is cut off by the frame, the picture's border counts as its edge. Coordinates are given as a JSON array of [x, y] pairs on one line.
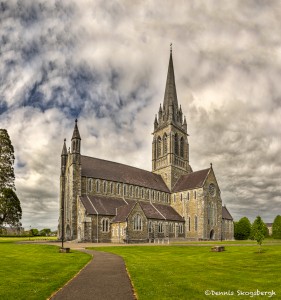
[[30, 271], [180, 272]]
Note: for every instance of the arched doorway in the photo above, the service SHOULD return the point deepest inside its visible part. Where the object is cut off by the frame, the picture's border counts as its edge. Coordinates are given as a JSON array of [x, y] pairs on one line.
[[212, 234]]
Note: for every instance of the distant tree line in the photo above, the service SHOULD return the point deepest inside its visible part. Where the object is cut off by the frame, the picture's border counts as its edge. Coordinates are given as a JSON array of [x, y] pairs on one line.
[[244, 230]]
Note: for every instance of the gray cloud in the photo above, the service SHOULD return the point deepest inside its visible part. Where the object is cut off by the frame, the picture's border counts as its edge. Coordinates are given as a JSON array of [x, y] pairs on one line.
[[106, 63]]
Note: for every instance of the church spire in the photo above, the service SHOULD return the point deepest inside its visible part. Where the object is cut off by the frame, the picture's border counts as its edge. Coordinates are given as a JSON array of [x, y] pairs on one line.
[[170, 96]]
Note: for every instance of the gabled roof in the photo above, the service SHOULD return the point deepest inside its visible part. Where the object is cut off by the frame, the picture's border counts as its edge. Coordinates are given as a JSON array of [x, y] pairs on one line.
[[120, 208], [225, 214], [108, 170], [168, 212], [123, 212], [101, 205], [191, 181]]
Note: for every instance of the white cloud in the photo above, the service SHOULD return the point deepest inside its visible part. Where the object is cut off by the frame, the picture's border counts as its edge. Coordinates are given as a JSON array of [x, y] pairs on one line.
[[106, 63]]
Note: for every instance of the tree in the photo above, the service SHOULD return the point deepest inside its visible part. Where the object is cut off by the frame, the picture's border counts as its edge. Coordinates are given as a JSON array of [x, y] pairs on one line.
[[276, 228], [242, 229], [259, 231], [7, 176], [255, 228], [34, 232], [10, 209], [45, 232]]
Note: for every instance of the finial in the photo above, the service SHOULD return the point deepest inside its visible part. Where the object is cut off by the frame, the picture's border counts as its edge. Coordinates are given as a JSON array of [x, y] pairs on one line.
[[211, 165], [64, 139], [171, 47], [76, 120]]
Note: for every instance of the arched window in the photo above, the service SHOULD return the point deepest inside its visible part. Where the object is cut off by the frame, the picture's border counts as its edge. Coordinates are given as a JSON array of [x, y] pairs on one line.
[[105, 225], [98, 186], [171, 227], [195, 223], [188, 196], [165, 145], [189, 224], [131, 191], [137, 191], [195, 195], [118, 188], [176, 144], [90, 184], [137, 221], [159, 146], [174, 198], [124, 190], [111, 187], [180, 228], [160, 227], [181, 197], [150, 227], [142, 193], [104, 186], [152, 195], [182, 147], [158, 196]]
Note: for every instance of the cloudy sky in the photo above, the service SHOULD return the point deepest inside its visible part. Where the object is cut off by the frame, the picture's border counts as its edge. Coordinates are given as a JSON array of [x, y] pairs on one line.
[[105, 63]]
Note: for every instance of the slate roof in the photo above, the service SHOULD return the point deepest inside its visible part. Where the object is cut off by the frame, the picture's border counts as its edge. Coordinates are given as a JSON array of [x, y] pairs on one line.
[[225, 214], [108, 170], [191, 181], [120, 208], [101, 205]]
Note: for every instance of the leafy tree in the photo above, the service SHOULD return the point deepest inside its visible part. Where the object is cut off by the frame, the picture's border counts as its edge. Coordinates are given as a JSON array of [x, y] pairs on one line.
[[34, 232], [256, 227], [276, 228], [45, 232], [10, 209], [7, 158], [259, 231], [242, 229]]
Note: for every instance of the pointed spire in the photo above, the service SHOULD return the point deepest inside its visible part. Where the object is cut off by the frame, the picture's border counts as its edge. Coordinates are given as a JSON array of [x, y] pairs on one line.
[[64, 150], [170, 96], [76, 134], [155, 123]]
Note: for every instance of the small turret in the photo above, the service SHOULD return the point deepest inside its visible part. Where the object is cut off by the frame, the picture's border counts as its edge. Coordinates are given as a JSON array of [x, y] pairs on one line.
[[63, 158], [160, 114], [184, 125], [75, 140], [155, 123]]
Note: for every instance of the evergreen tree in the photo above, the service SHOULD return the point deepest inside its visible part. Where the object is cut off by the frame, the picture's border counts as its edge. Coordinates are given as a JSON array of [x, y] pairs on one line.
[[7, 158], [255, 228], [10, 209], [259, 231], [242, 229], [276, 228]]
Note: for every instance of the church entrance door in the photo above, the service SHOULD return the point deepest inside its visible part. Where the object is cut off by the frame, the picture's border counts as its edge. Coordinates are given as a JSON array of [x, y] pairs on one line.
[[212, 234]]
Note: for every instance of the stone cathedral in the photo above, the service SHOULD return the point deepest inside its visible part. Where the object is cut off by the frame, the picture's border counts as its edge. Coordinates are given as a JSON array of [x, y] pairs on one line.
[[105, 201]]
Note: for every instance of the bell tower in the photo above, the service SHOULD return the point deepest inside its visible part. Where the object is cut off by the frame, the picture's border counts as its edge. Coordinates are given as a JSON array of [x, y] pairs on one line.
[[170, 148]]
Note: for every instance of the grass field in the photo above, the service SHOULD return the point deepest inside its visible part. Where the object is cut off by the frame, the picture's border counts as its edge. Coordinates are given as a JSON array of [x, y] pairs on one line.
[[180, 272], [30, 271]]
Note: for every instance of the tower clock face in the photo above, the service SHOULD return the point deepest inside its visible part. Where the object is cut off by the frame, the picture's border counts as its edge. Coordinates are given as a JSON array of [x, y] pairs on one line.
[[212, 189]]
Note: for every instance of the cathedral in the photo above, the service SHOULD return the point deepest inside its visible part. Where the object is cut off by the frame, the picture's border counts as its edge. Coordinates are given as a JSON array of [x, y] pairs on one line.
[[105, 201]]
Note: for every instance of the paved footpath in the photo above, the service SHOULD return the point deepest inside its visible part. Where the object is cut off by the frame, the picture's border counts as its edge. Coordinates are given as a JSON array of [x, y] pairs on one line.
[[104, 278]]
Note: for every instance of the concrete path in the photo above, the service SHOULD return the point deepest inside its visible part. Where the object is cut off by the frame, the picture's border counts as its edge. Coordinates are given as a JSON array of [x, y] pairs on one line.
[[104, 278]]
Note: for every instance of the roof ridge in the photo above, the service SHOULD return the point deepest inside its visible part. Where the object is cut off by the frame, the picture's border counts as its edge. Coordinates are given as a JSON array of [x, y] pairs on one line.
[[117, 163]]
